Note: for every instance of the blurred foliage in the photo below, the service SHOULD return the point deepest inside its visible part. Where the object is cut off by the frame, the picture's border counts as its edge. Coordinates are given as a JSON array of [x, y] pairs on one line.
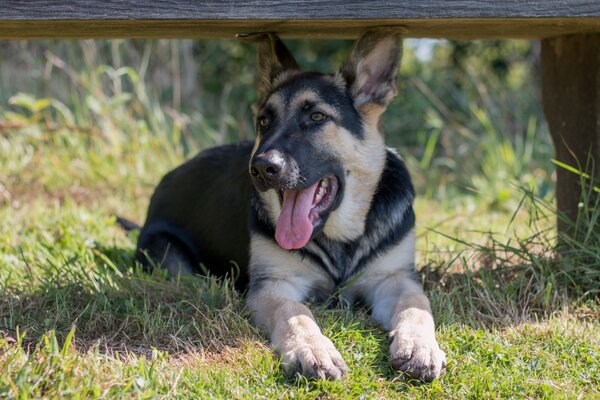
[[467, 118]]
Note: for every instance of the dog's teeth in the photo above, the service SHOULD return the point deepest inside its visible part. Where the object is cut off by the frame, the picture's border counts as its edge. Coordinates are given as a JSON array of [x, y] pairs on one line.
[[325, 183], [320, 194]]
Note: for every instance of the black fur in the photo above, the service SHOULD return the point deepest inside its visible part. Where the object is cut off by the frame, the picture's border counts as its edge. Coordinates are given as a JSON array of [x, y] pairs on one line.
[[200, 212], [126, 224], [203, 204]]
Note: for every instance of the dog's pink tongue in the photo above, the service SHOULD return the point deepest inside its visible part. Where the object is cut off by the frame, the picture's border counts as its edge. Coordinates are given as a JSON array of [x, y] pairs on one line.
[[294, 227]]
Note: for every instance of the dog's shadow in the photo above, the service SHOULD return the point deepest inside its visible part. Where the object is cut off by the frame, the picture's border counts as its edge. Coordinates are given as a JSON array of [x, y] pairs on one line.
[[116, 306]]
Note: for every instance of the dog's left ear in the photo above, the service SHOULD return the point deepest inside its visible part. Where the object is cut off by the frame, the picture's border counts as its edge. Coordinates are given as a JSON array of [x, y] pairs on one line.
[[370, 71], [273, 60]]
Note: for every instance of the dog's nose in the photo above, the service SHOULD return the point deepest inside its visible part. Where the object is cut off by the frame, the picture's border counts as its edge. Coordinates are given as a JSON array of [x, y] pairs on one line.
[[268, 166]]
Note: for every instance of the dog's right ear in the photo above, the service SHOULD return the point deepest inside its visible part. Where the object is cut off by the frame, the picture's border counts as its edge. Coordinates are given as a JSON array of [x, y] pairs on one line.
[[274, 59], [371, 70]]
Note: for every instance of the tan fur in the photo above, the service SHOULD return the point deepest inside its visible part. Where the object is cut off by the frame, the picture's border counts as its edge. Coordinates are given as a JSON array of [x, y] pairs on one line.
[[414, 348], [412, 309], [268, 259], [296, 336], [270, 199], [398, 260], [399, 304], [283, 279], [284, 76], [276, 307], [338, 80], [298, 101], [366, 67], [277, 102], [256, 144], [364, 163]]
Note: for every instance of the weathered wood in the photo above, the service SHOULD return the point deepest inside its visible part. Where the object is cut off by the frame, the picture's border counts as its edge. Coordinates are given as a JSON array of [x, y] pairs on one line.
[[458, 19], [296, 9], [571, 99], [318, 29]]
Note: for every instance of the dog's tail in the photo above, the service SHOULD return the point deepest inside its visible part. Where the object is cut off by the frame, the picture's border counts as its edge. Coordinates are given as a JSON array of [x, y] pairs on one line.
[[127, 224]]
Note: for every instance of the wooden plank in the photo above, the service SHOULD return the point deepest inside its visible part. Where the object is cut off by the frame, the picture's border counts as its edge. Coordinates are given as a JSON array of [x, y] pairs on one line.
[[294, 9], [571, 99], [334, 29], [459, 19]]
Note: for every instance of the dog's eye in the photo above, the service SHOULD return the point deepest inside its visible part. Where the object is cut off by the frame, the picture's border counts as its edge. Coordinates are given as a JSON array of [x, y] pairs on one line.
[[264, 122], [318, 117]]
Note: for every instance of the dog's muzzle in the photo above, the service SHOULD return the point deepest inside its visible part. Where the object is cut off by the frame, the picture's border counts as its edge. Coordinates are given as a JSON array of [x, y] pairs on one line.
[[305, 202], [271, 170]]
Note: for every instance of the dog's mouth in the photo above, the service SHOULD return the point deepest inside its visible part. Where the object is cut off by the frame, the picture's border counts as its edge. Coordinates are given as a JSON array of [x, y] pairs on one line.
[[303, 211]]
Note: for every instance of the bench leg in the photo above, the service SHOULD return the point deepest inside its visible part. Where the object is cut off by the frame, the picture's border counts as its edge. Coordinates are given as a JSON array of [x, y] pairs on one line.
[[571, 100]]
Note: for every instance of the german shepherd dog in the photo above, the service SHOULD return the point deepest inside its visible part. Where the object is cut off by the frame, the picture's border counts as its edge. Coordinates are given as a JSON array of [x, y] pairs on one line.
[[315, 206]]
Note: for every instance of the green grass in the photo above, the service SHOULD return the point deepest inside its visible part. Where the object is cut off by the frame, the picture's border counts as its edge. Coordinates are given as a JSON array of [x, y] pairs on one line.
[[66, 268], [78, 319]]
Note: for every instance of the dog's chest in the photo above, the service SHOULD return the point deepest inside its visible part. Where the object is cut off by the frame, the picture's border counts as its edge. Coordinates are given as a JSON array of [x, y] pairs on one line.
[[340, 260]]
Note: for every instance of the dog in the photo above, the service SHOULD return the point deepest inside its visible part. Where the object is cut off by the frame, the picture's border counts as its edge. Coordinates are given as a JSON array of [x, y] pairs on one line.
[[316, 205]]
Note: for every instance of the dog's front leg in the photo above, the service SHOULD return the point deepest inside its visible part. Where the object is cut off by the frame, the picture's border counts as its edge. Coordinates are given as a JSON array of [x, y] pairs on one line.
[[293, 331], [403, 309]]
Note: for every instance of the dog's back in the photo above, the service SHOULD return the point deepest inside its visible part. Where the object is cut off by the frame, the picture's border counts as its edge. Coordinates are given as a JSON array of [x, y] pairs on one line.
[[199, 214]]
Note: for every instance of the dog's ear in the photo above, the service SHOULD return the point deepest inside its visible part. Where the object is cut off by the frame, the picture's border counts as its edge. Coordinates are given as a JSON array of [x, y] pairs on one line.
[[370, 71], [273, 59]]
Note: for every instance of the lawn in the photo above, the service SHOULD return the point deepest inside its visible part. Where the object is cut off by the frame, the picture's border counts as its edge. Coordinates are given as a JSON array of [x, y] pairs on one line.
[[79, 319]]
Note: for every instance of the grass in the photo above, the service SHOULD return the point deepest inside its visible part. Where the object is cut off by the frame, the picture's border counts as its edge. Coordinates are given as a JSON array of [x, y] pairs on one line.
[[78, 319]]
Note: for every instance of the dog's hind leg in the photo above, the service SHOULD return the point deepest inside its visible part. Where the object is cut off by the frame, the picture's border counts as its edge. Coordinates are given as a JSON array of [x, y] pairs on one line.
[[162, 248]]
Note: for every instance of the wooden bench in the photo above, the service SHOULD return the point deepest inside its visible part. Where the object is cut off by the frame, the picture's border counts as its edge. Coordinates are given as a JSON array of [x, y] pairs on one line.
[[569, 31]]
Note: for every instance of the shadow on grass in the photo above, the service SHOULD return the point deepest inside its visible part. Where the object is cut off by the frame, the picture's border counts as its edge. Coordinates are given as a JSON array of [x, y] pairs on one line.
[[501, 294], [118, 307]]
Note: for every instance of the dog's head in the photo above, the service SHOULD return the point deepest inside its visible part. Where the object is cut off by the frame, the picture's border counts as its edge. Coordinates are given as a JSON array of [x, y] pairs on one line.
[[319, 151]]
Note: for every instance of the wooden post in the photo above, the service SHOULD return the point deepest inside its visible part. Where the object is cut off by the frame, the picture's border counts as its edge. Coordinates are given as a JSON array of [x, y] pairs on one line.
[[571, 100]]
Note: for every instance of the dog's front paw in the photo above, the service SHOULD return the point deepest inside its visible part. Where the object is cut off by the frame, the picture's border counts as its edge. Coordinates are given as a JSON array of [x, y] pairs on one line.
[[313, 356], [416, 355]]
